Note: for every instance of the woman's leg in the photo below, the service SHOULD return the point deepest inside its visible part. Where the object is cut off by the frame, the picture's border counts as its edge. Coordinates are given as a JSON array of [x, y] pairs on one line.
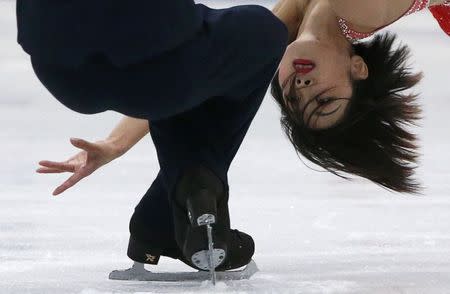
[[211, 133], [209, 136], [144, 90], [151, 227]]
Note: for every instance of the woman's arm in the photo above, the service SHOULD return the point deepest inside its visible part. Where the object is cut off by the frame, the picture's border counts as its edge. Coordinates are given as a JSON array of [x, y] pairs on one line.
[[96, 154], [370, 14], [127, 133]]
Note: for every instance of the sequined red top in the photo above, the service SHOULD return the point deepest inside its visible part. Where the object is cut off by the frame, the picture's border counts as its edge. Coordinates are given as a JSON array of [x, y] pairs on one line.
[[354, 36]]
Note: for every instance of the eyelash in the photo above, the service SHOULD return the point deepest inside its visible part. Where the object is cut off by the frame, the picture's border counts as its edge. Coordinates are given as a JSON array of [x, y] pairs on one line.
[[328, 101]]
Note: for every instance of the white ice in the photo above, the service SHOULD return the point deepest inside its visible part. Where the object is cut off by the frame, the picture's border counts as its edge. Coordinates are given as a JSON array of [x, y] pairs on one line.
[[315, 233]]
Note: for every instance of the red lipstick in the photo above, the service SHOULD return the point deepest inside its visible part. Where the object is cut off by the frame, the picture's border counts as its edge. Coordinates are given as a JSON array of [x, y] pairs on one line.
[[303, 66]]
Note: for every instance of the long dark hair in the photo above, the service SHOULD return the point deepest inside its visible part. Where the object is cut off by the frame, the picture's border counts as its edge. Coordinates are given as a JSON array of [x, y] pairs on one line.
[[373, 140]]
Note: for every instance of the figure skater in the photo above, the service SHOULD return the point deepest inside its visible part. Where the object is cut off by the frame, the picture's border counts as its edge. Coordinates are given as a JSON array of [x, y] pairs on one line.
[[303, 18], [195, 75]]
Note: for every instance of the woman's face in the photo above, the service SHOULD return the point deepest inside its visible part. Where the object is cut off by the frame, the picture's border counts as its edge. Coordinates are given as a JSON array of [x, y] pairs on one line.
[[320, 77]]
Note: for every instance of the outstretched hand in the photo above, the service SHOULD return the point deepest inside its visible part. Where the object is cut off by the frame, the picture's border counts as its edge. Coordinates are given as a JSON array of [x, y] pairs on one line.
[[93, 156]]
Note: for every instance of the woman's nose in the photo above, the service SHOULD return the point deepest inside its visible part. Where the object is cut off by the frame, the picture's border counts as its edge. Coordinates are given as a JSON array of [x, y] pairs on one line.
[[301, 83]]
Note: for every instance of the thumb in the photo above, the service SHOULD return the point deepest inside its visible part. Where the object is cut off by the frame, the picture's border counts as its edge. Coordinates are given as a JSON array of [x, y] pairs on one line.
[[82, 144]]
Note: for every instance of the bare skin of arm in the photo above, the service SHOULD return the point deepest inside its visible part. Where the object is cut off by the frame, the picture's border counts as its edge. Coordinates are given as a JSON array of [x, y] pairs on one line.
[[127, 133], [94, 155], [368, 15]]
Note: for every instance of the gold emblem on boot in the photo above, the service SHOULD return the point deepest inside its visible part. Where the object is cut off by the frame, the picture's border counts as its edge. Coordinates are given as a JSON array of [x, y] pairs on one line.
[[151, 258]]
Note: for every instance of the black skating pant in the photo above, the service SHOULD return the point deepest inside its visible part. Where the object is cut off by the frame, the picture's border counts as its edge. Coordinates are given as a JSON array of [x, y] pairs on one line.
[[209, 135]]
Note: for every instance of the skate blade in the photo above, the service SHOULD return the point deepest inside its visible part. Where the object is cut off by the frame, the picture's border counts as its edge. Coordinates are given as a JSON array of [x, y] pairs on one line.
[[145, 275], [201, 258]]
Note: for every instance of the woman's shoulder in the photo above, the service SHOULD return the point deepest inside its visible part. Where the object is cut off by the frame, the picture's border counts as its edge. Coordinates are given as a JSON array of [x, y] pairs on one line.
[[368, 15], [364, 14]]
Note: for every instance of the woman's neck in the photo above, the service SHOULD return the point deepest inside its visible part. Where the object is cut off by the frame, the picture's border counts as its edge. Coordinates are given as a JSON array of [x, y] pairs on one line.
[[321, 23], [291, 13]]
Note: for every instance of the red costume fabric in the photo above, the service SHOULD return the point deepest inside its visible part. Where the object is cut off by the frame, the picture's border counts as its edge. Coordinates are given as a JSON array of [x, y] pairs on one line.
[[440, 12]]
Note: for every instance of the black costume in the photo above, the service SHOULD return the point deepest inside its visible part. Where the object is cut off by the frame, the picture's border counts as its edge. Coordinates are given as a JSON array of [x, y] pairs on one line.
[[197, 74]]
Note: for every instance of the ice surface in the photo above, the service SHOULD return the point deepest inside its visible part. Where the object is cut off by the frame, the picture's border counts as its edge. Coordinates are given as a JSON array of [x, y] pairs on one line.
[[314, 232]]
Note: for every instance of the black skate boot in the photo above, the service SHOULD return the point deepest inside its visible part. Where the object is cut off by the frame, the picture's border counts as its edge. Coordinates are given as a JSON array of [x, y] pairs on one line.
[[141, 252], [205, 201], [241, 248], [240, 251], [201, 233]]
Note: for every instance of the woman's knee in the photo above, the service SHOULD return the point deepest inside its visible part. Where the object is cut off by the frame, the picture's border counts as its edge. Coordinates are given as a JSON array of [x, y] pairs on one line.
[[68, 87]]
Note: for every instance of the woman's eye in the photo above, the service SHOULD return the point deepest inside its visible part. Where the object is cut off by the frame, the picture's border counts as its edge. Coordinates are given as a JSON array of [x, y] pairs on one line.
[[323, 101]]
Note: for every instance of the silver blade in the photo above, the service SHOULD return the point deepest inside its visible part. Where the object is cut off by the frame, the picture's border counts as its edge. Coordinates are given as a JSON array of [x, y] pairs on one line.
[[212, 267], [141, 274]]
